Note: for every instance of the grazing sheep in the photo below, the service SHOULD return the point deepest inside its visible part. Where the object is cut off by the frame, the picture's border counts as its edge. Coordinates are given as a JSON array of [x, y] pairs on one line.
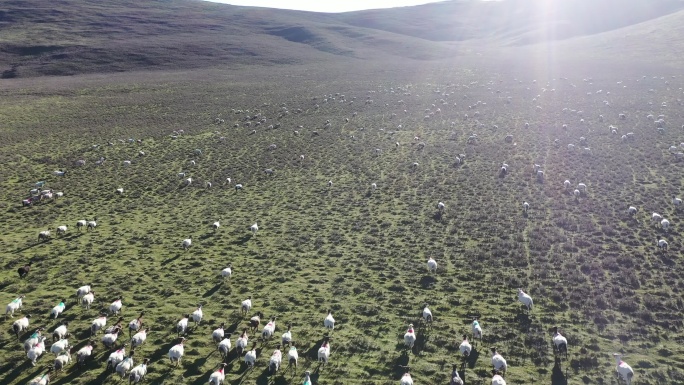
[[44, 235], [13, 306], [91, 225], [455, 378], [410, 337], [664, 224], [329, 321], [632, 210], [498, 361], [656, 218], [61, 230], [374, 186], [188, 182], [186, 243], [662, 244], [81, 223], [176, 352], [254, 228], [238, 187], [59, 173], [216, 225], [120, 191], [582, 187], [525, 299], [623, 370], [676, 201], [81, 291]]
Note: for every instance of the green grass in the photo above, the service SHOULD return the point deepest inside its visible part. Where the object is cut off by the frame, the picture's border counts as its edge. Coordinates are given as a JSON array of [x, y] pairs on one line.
[[590, 269]]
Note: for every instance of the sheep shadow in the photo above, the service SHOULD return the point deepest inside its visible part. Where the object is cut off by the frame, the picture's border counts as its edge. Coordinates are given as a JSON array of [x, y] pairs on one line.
[[525, 214], [438, 215], [242, 240], [171, 259], [524, 320], [398, 366], [471, 361], [428, 281], [22, 368], [213, 290], [557, 375]]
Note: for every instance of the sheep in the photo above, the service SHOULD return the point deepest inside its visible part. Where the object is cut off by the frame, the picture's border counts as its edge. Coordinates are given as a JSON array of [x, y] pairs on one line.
[[540, 176], [197, 315], [324, 351], [560, 343], [176, 352], [432, 265], [115, 358], [138, 373], [62, 359], [525, 299], [571, 147], [13, 306], [427, 315], [224, 344], [374, 186], [218, 376], [120, 191], [186, 243], [59, 309], [508, 138], [98, 324], [126, 163], [276, 360], [81, 291], [406, 378], [88, 300], [24, 270], [241, 343], [503, 171], [21, 325], [664, 224], [139, 338], [269, 171], [329, 321], [44, 379], [115, 306], [330, 183], [622, 116], [586, 151], [135, 324], [455, 378], [286, 338], [566, 184], [632, 210], [440, 206], [477, 330], [91, 225], [251, 356], [44, 235], [238, 187], [182, 325], [676, 201], [33, 339], [227, 272], [498, 361], [59, 173], [410, 337], [61, 230], [125, 365], [83, 354], [497, 379], [254, 228], [623, 370], [293, 356], [656, 218], [662, 244], [582, 187], [465, 348], [246, 305], [188, 181], [81, 223], [60, 332], [36, 351]]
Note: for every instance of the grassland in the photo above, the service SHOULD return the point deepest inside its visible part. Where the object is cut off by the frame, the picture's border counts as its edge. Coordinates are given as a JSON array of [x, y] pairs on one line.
[[591, 268]]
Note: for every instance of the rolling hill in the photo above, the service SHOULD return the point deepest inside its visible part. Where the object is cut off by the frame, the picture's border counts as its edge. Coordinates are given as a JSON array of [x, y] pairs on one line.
[[70, 37]]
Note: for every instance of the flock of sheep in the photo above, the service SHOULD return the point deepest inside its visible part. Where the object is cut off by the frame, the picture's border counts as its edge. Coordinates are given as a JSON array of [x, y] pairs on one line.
[[122, 359]]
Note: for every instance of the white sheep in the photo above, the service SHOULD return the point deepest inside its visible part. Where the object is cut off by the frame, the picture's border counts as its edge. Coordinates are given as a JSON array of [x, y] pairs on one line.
[[120, 190], [61, 361], [36, 351], [329, 321], [125, 365], [182, 325], [324, 351], [197, 315], [632, 210], [246, 305], [186, 243], [188, 181], [427, 314], [662, 244], [115, 358], [218, 376], [238, 187], [227, 272], [83, 354], [13, 306], [176, 352], [254, 228], [477, 330], [126, 163], [665, 224], [560, 343], [571, 147], [656, 218], [525, 299], [44, 235], [88, 300], [61, 230], [676, 201], [566, 184], [21, 325], [374, 186], [81, 223], [251, 357], [139, 338], [432, 265], [410, 337], [81, 291], [406, 378], [582, 187], [465, 348], [623, 370], [91, 225], [115, 307], [57, 310], [526, 206], [498, 361], [98, 324]]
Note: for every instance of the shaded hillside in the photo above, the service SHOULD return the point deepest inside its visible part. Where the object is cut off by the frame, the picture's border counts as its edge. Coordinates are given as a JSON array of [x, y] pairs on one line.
[[69, 37], [516, 22]]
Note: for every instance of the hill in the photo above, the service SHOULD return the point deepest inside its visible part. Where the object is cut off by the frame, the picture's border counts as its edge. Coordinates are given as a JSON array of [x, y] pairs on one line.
[[69, 37]]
